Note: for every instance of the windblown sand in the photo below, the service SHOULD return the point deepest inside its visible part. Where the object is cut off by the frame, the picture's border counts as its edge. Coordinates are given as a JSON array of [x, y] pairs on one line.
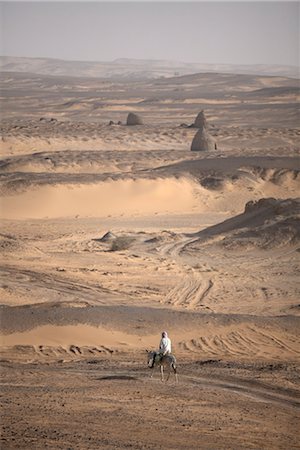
[[202, 244]]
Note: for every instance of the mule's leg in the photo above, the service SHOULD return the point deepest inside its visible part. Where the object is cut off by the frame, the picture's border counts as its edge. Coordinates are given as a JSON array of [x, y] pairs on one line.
[[175, 373], [162, 372], [168, 376], [153, 361]]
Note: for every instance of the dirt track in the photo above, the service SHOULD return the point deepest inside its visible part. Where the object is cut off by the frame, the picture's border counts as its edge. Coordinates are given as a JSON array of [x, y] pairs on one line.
[[114, 404]]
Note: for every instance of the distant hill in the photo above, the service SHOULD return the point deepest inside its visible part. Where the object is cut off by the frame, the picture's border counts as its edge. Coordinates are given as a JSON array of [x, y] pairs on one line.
[[134, 69]]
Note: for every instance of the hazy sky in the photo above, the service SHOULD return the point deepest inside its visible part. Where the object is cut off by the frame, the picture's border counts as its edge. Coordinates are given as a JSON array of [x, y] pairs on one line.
[[207, 32]]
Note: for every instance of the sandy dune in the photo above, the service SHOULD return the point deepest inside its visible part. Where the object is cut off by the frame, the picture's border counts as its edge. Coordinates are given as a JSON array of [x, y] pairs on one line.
[[203, 244]]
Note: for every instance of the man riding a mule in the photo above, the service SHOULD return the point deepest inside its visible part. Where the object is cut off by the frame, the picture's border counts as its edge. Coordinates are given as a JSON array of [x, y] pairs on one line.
[[165, 346], [163, 357]]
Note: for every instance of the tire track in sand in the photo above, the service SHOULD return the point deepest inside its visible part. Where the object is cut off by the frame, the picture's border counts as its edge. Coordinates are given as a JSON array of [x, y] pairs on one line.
[[251, 389], [191, 292], [246, 341]]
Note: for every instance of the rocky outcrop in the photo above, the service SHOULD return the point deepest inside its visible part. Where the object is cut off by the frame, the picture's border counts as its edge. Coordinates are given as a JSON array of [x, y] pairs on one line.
[[200, 121], [134, 119], [203, 141], [107, 237]]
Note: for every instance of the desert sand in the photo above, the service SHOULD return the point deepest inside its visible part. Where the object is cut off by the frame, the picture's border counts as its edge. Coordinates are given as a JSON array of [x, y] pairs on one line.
[[112, 233]]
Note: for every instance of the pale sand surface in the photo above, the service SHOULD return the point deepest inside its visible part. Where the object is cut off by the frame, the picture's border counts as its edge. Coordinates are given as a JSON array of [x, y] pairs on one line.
[[185, 254]]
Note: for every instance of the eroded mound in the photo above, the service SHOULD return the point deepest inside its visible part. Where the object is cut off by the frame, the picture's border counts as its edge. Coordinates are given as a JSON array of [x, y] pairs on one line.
[[280, 227], [265, 224], [278, 207]]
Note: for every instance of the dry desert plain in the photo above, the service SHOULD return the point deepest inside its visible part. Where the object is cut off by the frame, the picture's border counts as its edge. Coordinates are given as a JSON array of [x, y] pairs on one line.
[[112, 233]]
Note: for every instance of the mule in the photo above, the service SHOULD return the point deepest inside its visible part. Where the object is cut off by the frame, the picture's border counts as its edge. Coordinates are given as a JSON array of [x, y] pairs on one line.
[[166, 361]]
